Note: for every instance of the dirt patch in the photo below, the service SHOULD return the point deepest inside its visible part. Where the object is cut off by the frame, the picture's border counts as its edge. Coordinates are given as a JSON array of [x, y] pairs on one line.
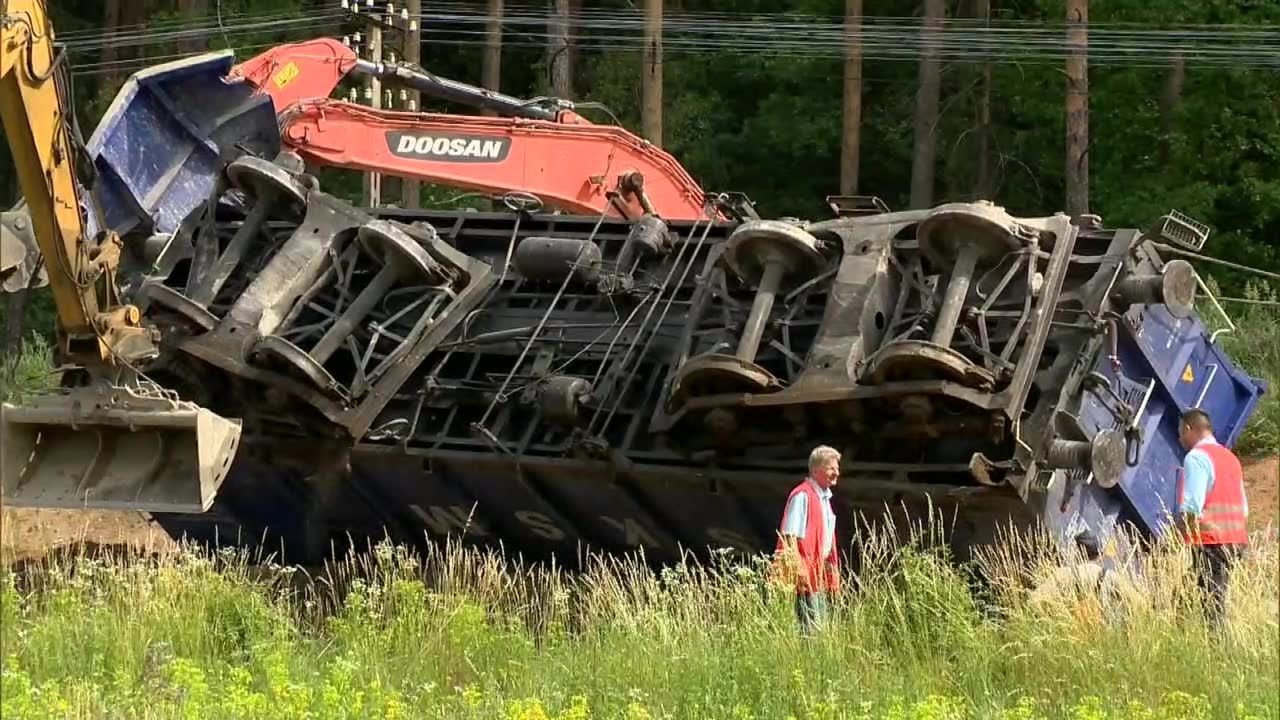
[[27, 534], [1262, 488]]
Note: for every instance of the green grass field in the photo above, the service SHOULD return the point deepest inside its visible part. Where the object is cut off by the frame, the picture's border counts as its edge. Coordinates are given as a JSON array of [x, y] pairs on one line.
[[461, 634]]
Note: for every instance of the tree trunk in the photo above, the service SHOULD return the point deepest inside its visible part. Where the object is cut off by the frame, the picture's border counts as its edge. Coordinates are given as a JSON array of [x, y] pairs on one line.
[[16, 321], [925, 141], [852, 98], [1169, 101], [575, 11], [193, 9], [985, 191], [133, 16], [110, 24], [1077, 175], [651, 74], [410, 189], [491, 69], [561, 65]]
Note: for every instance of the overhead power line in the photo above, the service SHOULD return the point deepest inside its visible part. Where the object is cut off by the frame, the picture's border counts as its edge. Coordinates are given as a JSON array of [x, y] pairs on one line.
[[168, 24], [782, 34], [256, 26], [886, 38]]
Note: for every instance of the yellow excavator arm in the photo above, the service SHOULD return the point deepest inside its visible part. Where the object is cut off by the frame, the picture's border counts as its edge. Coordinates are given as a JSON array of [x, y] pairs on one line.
[[93, 325], [117, 442]]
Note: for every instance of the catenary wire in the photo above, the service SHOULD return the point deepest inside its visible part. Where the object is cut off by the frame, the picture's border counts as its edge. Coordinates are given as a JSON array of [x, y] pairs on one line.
[[882, 38]]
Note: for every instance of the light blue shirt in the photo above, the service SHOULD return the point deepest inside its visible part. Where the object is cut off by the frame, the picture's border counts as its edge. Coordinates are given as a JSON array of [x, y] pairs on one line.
[[795, 518], [1197, 478]]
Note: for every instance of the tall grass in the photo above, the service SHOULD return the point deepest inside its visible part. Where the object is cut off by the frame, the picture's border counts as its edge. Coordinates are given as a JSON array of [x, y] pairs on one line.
[[27, 370], [465, 634]]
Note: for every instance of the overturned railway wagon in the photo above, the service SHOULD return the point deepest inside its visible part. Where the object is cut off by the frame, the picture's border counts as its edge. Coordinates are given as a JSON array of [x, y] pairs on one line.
[[558, 383], [555, 383]]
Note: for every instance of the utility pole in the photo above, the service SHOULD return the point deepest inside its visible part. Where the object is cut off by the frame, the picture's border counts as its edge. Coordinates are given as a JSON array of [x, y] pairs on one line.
[[925, 141], [851, 138], [491, 68], [651, 76], [1077, 174], [411, 189], [373, 92], [561, 67]]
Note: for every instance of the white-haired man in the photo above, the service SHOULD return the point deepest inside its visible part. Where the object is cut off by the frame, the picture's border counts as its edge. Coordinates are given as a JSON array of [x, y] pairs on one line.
[[807, 539]]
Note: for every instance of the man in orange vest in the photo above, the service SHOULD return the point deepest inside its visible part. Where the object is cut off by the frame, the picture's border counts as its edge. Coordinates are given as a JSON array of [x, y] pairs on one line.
[[807, 539], [1213, 508]]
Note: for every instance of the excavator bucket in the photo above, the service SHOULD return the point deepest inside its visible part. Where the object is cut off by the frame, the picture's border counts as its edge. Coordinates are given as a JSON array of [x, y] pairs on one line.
[[114, 450]]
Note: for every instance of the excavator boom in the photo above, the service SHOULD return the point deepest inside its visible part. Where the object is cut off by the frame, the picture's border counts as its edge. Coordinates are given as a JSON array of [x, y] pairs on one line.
[[30, 87], [585, 169], [115, 442], [548, 151], [313, 69]]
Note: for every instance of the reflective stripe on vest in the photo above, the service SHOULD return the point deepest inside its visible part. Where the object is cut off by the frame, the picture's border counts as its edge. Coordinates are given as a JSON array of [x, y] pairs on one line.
[[1223, 521]]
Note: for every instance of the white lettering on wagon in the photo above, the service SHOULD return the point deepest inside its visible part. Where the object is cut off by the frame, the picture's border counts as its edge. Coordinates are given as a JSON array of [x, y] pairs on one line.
[[633, 532], [540, 525]]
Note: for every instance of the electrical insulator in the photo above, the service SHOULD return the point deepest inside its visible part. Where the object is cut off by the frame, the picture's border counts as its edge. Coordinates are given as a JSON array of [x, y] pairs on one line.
[[413, 106], [391, 56], [353, 95], [368, 93], [404, 95], [368, 4], [413, 26], [404, 14], [346, 5], [391, 9], [356, 37], [386, 99], [346, 40]]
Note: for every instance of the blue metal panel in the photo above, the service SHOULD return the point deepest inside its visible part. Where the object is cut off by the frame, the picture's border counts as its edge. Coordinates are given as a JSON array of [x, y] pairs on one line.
[[1188, 371], [165, 138]]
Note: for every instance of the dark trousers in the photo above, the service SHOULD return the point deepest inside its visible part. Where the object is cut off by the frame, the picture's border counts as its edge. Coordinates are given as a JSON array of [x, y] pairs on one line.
[[1213, 568], [811, 611]]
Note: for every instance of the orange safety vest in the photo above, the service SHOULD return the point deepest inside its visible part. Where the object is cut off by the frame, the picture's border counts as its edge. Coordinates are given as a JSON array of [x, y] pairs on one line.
[[1223, 519], [823, 573]]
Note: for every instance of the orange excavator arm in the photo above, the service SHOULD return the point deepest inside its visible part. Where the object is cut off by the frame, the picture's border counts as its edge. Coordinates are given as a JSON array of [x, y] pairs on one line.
[[539, 147], [313, 69], [580, 168]]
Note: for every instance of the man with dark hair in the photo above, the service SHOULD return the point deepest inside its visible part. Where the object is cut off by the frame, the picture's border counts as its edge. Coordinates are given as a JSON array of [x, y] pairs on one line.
[[1213, 508]]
